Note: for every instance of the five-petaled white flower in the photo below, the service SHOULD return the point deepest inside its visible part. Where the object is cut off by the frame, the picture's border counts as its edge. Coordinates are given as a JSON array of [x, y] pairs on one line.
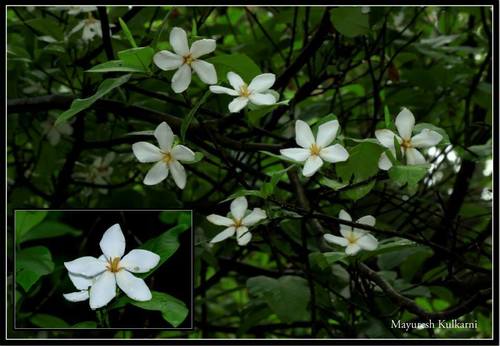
[[354, 239], [111, 269], [238, 222], [54, 132], [91, 28], [167, 157], [257, 92], [405, 122], [186, 59], [314, 151]]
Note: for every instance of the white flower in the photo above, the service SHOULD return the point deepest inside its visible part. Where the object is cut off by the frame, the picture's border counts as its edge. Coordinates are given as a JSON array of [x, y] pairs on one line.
[[238, 223], [314, 151], [82, 283], [167, 158], [257, 92], [99, 172], [111, 269], [54, 132], [91, 28], [405, 122], [185, 59], [354, 239]]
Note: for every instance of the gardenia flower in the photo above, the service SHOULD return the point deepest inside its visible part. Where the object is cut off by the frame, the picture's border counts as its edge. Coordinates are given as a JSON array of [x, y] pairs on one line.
[[112, 269], [238, 223], [98, 172], [91, 28], [83, 284], [184, 59], [405, 122], [314, 151], [54, 132], [354, 239], [257, 92], [167, 158]]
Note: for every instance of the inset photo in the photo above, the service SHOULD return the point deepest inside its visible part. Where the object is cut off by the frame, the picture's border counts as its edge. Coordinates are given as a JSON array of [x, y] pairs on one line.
[[103, 269]]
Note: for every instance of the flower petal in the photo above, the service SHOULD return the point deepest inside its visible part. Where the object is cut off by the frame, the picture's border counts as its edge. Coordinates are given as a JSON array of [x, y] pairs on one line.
[[297, 154], [367, 242], [238, 208], [146, 152], [405, 121], [344, 215], [386, 137], [243, 236], [205, 70], [139, 261], [133, 286], [79, 296], [178, 173], [384, 162], [156, 174], [237, 104], [426, 138], [235, 80], [228, 232], [165, 136], [113, 242], [103, 290], [303, 134], [352, 249], [313, 164], [178, 41], [216, 89], [414, 157], [262, 82], [79, 281], [255, 216], [366, 220], [220, 220], [334, 153], [335, 240], [86, 266], [327, 133], [182, 153], [181, 79], [262, 99], [166, 60], [202, 47]]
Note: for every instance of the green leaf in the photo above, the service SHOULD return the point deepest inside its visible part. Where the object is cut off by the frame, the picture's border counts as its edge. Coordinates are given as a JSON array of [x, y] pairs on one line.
[[140, 57], [190, 117], [238, 63], [332, 184], [48, 321], [420, 126], [241, 193], [25, 220], [127, 33], [410, 175], [114, 66], [267, 188], [79, 105], [287, 296], [350, 21], [50, 229], [31, 264]]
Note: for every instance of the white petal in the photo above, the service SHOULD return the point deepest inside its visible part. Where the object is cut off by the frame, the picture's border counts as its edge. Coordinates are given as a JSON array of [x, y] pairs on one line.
[[255, 216], [103, 290], [165, 136], [205, 70], [352, 249], [178, 41], [178, 173], [202, 47], [335, 240], [384, 162], [243, 236], [223, 90], [113, 242], [235, 80], [262, 99], [303, 134], [346, 231], [238, 208], [386, 137], [86, 266], [297, 154], [220, 220], [156, 174], [228, 232], [367, 242], [426, 138], [146, 152], [79, 281], [414, 157], [405, 121], [237, 104], [334, 153], [182, 153], [327, 133], [133, 286], [262, 82], [313, 164], [343, 215], [139, 261], [79, 296], [366, 220], [181, 79], [166, 60]]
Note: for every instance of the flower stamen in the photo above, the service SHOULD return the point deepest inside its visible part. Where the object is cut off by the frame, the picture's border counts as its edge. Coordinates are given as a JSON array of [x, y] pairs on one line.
[[315, 149], [406, 144], [188, 59], [244, 90], [114, 265], [167, 157]]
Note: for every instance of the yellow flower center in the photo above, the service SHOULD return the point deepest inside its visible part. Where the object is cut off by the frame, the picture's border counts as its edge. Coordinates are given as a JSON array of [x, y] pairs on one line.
[[237, 223], [114, 265], [188, 59], [351, 238], [244, 90], [314, 149], [406, 144], [90, 19], [167, 157]]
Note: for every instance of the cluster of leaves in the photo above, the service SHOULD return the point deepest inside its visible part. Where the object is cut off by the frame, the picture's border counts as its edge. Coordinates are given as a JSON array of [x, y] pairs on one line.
[[359, 65]]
